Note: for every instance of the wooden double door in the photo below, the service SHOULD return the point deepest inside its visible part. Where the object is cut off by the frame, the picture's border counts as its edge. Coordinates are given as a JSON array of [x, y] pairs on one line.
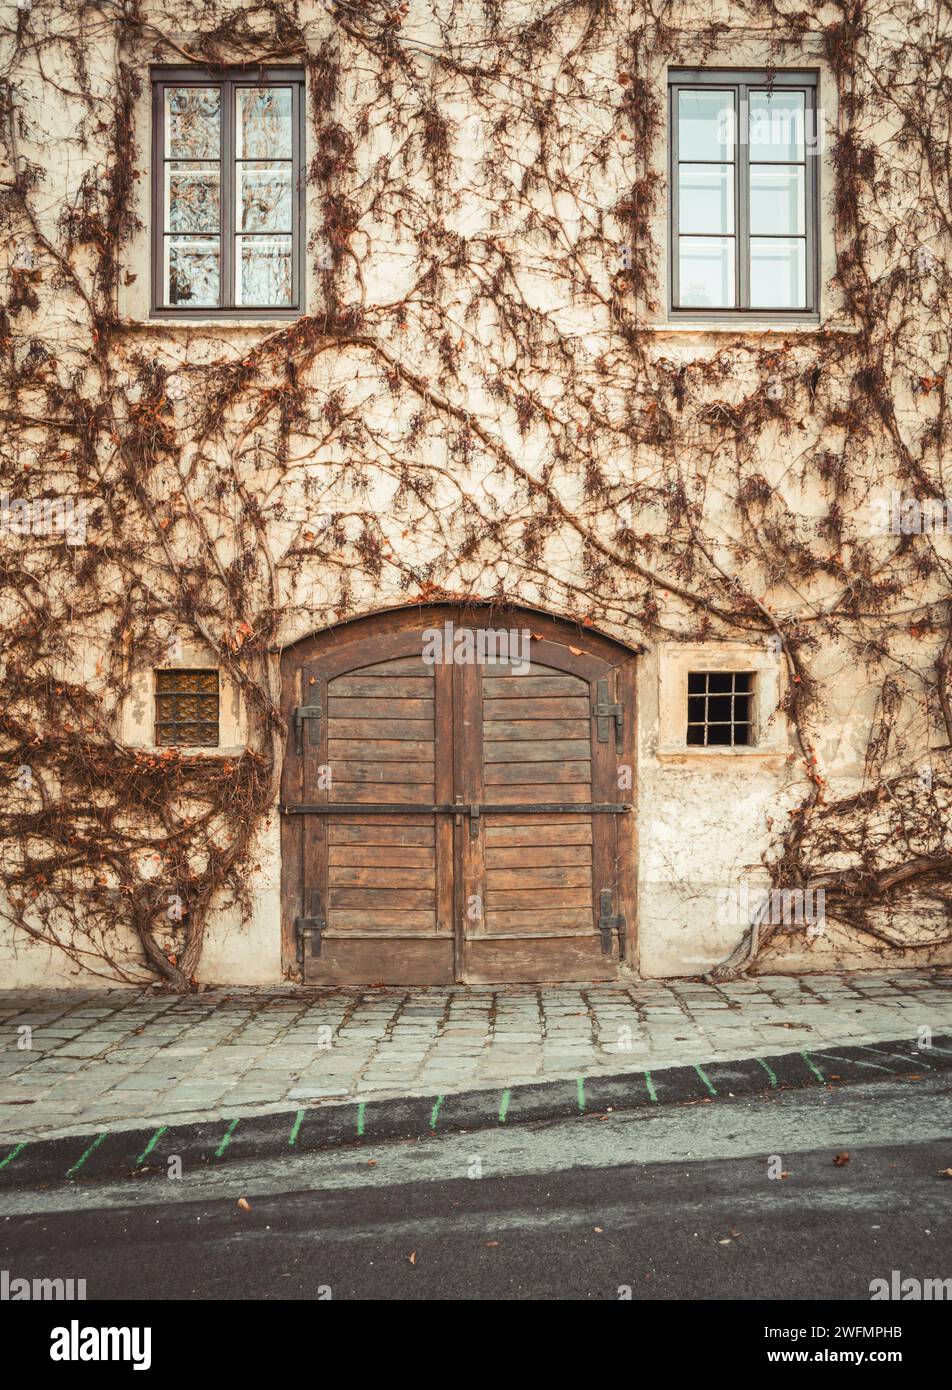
[[457, 811]]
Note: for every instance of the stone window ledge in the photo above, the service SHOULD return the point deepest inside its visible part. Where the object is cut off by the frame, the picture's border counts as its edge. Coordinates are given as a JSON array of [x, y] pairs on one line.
[[683, 755]]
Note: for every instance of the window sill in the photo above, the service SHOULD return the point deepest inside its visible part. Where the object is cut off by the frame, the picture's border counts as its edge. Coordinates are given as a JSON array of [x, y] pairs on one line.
[[236, 750], [754, 327], [176, 325], [723, 757]]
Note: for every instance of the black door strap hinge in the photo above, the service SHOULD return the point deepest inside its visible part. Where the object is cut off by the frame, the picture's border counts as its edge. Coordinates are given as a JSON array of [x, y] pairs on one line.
[[607, 923], [606, 709], [307, 930], [310, 714]]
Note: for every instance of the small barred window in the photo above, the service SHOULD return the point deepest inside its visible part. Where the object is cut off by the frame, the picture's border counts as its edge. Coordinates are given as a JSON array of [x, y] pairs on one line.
[[186, 708], [720, 705]]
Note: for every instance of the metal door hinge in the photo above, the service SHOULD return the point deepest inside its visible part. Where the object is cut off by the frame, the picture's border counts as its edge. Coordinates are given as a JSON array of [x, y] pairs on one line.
[[606, 709], [310, 714], [307, 930], [608, 923]]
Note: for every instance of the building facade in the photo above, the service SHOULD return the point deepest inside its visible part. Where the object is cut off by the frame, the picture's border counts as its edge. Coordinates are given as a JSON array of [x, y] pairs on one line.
[[474, 490]]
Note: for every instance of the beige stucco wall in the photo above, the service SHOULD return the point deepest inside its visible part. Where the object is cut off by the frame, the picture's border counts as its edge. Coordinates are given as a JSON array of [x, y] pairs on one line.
[[705, 820]]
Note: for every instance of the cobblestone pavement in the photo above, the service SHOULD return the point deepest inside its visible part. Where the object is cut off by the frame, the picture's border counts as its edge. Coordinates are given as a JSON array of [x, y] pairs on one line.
[[121, 1058]]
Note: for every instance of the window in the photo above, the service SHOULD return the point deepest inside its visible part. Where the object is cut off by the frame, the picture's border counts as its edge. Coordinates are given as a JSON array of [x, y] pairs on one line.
[[186, 708], [743, 194], [227, 205], [720, 705]]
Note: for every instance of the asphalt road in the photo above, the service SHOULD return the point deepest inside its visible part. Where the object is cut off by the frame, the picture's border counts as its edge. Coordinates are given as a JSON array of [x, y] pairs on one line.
[[674, 1203]]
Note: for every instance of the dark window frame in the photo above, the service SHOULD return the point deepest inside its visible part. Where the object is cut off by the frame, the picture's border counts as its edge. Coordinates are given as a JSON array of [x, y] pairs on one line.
[[746, 694], [740, 81], [229, 79], [174, 724]]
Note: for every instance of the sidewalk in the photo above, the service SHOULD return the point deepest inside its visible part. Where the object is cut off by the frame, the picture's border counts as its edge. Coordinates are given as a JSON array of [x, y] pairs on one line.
[[120, 1059]]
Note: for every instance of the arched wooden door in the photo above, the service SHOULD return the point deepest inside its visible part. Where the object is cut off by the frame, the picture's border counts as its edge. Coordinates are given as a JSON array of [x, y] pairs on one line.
[[456, 801]]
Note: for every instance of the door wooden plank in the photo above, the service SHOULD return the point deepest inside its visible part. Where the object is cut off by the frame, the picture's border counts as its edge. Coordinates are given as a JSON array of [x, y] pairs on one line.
[[540, 898], [522, 828], [368, 773], [390, 856], [394, 687], [385, 919], [361, 707], [406, 962], [530, 856], [381, 830], [372, 898], [399, 666], [547, 830], [534, 876], [555, 707], [540, 751], [533, 686], [386, 793], [379, 750], [528, 793], [353, 876], [499, 730], [538, 919], [382, 729], [573, 958], [498, 774]]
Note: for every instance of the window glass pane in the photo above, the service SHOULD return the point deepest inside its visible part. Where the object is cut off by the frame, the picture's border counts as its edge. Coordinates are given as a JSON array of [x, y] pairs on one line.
[[192, 122], [778, 275], [776, 125], [192, 271], [706, 267], [263, 123], [192, 197], [264, 197], [777, 199], [706, 198], [263, 270], [706, 128]]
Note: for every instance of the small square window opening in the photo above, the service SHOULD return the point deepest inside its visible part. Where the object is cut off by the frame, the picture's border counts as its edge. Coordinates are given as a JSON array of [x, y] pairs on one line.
[[720, 709], [186, 708]]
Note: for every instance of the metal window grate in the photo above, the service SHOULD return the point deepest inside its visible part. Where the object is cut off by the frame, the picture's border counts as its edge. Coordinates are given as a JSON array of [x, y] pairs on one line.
[[186, 708], [720, 705]]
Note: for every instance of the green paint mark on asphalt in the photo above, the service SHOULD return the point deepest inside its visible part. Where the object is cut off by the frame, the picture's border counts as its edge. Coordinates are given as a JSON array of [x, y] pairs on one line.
[[296, 1127], [92, 1149], [504, 1106], [226, 1137], [705, 1078], [581, 1094], [361, 1107], [151, 1145], [771, 1074], [809, 1061], [18, 1150], [435, 1111], [650, 1084]]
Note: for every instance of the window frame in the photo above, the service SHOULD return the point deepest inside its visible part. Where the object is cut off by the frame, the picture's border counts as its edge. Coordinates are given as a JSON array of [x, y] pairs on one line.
[[706, 724], [229, 79], [740, 81], [157, 694]]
